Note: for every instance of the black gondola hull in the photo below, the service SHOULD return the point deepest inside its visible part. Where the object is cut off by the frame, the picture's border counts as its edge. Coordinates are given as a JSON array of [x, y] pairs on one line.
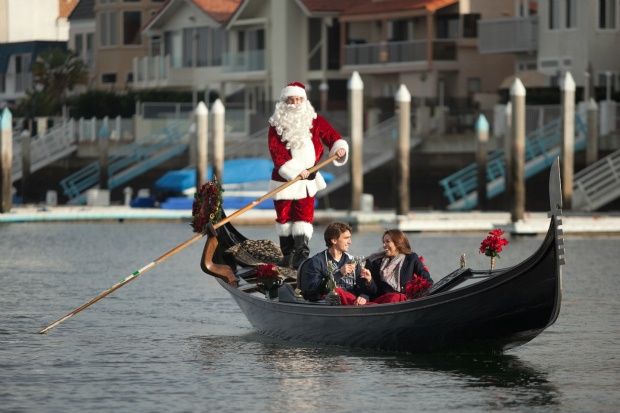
[[506, 309]]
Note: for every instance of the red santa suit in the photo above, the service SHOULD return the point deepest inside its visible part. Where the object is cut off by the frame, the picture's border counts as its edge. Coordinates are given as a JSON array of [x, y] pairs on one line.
[[296, 139], [295, 204]]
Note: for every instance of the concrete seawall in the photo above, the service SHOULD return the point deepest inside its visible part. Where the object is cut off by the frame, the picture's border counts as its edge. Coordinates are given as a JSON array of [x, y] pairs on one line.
[[423, 221]]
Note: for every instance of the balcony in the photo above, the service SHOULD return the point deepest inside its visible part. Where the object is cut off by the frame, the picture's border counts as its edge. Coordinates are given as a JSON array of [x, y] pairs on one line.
[[386, 53], [151, 71], [248, 61], [15, 85], [510, 35]]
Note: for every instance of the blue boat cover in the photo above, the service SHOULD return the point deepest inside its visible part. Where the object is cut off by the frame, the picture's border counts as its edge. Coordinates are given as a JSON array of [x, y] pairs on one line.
[[236, 171]]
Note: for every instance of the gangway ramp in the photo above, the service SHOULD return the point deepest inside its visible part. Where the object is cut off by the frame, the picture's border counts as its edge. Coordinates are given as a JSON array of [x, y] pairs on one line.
[[598, 184], [542, 146], [136, 159]]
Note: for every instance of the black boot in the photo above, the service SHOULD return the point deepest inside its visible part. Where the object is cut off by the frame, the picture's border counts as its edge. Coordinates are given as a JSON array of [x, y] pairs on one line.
[[301, 250], [287, 245]]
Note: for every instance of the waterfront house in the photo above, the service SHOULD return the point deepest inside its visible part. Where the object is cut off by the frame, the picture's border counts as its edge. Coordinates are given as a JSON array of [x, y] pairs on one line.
[[27, 28]]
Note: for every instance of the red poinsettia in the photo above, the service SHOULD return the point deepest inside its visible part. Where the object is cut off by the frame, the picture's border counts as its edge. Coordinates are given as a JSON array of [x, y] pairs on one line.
[[267, 272], [207, 206], [268, 277], [416, 287], [493, 244]]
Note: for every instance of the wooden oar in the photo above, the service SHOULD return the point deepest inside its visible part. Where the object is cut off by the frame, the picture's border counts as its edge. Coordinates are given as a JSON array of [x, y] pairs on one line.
[[182, 246]]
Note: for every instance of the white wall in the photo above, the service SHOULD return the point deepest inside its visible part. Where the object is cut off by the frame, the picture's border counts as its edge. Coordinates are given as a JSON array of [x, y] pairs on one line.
[[28, 20], [582, 44]]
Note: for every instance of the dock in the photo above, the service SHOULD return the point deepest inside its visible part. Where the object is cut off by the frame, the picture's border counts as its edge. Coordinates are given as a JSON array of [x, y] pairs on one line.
[[416, 221]]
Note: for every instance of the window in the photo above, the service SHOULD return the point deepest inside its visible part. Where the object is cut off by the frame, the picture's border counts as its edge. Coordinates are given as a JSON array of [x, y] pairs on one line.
[[474, 85], [470, 24], [218, 46], [554, 14], [398, 30], [314, 37], [607, 14], [89, 48], [108, 78], [526, 8], [571, 14], [107, 24], [156, 46], [78, 45], [602, 80], [132, 21], [447, 26]]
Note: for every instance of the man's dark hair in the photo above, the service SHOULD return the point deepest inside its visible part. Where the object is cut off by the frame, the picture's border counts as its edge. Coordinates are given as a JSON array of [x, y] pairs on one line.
[[334, 230]]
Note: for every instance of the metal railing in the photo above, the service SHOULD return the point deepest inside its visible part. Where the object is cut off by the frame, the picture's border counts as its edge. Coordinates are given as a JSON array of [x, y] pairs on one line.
[[508, 35], [248, 61], [137, 159], [379, 147], [55, 144], [597, 184], [541, 148], [398, 52]]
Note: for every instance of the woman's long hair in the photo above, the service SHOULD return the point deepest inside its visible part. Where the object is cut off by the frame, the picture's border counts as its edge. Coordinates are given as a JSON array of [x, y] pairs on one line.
[[400, 240]]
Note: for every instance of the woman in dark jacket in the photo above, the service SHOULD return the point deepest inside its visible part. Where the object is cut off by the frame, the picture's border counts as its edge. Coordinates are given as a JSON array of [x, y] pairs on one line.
[[392, 269]]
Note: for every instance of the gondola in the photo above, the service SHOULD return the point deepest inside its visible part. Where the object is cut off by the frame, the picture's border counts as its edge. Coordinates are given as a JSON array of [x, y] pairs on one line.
[[467, 310]]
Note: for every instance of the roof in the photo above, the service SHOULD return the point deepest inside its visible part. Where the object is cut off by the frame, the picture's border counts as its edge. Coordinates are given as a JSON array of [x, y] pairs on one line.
[[371, 7], [84, 10], [65, 7], [322, 6], [219, 10]]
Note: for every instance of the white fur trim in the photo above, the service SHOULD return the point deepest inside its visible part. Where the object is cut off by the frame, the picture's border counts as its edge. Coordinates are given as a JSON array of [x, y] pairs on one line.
[[340, 143], [288, 91], [283, 230], [302, 228], [305, 153], [291, 168], [300, 189]]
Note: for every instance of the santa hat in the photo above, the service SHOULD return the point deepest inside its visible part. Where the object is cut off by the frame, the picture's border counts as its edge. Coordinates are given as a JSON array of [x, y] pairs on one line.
[[293, 89]]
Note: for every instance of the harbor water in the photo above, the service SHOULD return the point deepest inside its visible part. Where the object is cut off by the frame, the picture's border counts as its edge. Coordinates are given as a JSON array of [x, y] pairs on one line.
[[174, 341]]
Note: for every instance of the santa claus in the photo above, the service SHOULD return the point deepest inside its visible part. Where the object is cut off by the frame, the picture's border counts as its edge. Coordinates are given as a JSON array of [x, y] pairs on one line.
[[296, 138]]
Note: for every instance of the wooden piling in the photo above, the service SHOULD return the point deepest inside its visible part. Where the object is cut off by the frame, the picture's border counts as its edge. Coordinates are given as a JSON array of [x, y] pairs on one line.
[[356, 116], [592, 145], [508, 182], [202, 139], [6, 160], [517, 96], [482, 135], [403, 103], [26, 161], [568, 139], [218, 139], [104, 146]]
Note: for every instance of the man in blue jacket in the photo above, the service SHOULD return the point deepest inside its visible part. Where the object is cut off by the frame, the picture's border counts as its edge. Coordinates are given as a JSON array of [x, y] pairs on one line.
[[334, 262]]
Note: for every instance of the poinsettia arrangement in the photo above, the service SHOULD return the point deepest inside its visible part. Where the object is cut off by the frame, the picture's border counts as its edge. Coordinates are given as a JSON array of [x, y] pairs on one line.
[[416, 287], [267, 272], [493, 244], [268, 277], [207, 206]]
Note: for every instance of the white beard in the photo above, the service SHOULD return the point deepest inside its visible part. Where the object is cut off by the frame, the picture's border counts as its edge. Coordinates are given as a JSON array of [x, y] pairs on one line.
[[293, 123]]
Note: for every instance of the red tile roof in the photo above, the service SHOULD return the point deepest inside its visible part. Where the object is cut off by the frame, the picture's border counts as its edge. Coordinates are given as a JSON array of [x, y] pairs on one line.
[[329, 5], [65, 7], [391, 6], [220, 10]]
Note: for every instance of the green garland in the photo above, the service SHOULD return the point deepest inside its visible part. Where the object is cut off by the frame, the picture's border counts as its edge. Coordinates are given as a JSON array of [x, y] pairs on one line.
[[207, 206]]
